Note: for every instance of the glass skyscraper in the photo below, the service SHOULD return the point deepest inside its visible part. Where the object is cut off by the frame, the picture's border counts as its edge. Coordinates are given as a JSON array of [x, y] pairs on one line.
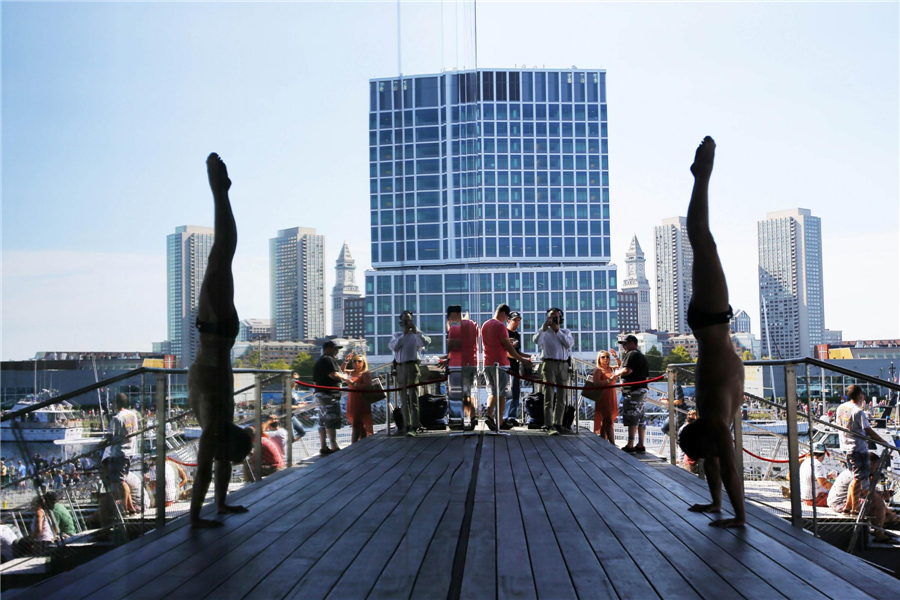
[[187, 253], [490, 187]]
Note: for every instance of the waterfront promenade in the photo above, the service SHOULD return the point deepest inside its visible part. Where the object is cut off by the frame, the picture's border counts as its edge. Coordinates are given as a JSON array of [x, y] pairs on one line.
[[479, 516]]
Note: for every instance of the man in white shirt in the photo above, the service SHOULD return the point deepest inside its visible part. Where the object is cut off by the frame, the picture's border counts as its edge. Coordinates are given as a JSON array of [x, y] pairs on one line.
[[555, 342], [850, 415], [406, 344], [813, 467]]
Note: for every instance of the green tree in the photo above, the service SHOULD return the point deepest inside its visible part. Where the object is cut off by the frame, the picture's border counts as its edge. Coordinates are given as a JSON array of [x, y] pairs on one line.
[[679, 354], [747, 355], [655, 360], [278, 365], [303, 366]]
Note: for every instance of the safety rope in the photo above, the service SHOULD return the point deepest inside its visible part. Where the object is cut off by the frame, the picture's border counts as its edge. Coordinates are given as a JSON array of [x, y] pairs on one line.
[[587, 387], [772, 460], [367, 390]]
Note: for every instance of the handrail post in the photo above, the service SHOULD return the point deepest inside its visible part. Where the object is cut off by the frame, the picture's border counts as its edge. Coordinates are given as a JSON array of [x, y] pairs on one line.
[[388, 417], [790, 381], [673, 429], [257, 423], [160, 423], [143, 421], [812, 471], [288, 417]]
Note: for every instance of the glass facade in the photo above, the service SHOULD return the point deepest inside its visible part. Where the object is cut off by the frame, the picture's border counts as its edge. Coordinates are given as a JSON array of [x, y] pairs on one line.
[[501, 172], [187, 254]]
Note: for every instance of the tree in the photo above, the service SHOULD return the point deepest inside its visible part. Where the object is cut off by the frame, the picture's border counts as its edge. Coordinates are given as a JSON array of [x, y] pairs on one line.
[[303, 366], [747, 355], [655, 360], [678, 355], [278, 365]]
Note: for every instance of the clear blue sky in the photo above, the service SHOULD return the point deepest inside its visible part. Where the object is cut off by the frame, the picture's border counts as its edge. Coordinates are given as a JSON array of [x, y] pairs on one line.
[[109, 110]]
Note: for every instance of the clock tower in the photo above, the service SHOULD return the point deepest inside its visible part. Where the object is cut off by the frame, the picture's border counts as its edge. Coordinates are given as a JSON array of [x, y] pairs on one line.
[[636, 281], [344, 287]]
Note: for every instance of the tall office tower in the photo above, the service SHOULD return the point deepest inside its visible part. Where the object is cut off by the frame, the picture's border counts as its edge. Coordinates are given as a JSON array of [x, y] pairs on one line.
[[490, 187], [636, 281], [344, 288], [740, 322], [628, 312], [297, 284], [674, 261], [354, 318], [792, 312], [187, 252]]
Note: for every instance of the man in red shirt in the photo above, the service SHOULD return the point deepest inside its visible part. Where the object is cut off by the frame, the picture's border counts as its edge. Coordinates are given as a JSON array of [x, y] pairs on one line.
[[272, 459], [497, 351], [462, 356]]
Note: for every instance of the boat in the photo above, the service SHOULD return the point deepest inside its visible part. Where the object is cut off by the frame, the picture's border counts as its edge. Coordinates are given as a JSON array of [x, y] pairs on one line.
[[50, 424]]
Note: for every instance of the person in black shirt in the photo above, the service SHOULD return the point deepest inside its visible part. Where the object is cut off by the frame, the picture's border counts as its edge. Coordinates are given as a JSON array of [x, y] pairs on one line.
[[327, 371], [515, 338], [634, 368]]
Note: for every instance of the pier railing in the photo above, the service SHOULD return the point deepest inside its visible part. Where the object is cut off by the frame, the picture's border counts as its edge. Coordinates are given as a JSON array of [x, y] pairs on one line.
[[103, 512]]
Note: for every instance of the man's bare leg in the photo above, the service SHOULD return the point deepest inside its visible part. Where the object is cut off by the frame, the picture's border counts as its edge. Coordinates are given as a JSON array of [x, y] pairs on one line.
[[710, 292], [332, 437]]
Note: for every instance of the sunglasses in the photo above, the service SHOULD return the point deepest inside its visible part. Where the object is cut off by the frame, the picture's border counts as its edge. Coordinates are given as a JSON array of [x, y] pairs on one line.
[[357, 361]]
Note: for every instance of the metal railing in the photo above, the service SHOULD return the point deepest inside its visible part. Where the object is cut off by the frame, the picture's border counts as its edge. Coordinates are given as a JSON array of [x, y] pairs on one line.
[[158, 482]]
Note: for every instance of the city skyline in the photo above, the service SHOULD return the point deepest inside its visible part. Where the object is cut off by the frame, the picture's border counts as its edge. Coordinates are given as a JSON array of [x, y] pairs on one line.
[[102, 133]]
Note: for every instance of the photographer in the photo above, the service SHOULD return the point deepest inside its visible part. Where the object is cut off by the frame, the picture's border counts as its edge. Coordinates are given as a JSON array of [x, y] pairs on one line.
[[406, 344], [555, 342]]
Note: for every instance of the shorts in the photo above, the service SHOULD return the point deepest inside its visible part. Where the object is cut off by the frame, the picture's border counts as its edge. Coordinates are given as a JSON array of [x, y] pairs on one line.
[[462, 377], [503, 377], [329, 411], [633, 407], [859, 466]]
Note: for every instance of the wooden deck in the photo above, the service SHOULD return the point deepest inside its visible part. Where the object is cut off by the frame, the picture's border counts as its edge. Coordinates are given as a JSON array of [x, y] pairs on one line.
[[519, 516]]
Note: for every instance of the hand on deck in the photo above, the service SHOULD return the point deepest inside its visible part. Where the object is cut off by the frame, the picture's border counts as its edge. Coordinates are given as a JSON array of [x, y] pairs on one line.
[[705, 508], [232, 509]]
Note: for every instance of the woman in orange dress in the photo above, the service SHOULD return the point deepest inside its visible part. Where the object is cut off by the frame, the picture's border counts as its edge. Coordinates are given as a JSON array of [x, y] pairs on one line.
[[359, 413], [607, 408]]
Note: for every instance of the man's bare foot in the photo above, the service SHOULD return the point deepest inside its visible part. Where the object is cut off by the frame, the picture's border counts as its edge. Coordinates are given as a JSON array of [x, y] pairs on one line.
[[218, 174], [705, 508], [206, 524], [703, 159], [232, 509], [727, 523]]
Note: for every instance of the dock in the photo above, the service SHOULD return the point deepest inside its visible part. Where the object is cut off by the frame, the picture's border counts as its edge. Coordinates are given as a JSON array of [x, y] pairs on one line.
[[476, 516]]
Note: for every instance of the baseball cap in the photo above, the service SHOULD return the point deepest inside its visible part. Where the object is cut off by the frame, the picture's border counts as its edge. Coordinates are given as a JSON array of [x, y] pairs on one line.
[[515, 315], [629, 338], [330, 344]]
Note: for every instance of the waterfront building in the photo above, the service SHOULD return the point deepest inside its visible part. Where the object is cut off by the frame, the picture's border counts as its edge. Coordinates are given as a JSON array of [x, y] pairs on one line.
[[297, 284], [355, 317], [255, 330], [490, 187], [790, 283], [833, 337], [740, 322], [636, 281], [674, 262], [629, 321], [344, 289], [744, 340], [187, 253]]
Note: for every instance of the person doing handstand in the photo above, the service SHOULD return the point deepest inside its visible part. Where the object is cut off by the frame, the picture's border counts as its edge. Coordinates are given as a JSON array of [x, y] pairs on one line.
[[210, 379], [720, 372]]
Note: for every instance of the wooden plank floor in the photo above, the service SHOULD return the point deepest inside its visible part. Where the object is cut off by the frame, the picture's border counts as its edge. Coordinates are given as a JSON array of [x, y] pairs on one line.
[[520, 516]]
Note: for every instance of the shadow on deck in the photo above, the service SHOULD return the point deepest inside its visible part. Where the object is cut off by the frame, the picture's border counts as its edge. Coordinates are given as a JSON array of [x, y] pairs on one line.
[[521, 516]]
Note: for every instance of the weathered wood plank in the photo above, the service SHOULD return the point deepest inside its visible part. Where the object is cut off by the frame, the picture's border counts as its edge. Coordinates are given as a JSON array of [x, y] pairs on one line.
[[514, 577]]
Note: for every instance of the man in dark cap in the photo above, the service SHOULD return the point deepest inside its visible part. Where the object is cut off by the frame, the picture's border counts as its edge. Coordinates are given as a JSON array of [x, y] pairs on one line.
[[327, 372], [635, 367]]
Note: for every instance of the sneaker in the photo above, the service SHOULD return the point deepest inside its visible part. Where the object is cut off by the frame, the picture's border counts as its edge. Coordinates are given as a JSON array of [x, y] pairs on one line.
[[506, 425], [640, 449], [628, 450], [565, 430], [544, 428], [553, 431], [412, 433], [325, 451], [490, 423]]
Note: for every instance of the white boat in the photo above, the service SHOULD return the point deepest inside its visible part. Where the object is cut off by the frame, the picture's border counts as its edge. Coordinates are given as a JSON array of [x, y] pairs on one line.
[[57, 422]]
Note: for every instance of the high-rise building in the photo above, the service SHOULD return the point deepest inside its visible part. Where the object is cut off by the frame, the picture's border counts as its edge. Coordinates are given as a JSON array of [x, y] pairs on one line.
[[490, 187], [344, 288], [636, 281], [674, 261], [791, 304], [187, 253], [355, 317], [628, 311], [740, 322], [297, 284], [833, 337]]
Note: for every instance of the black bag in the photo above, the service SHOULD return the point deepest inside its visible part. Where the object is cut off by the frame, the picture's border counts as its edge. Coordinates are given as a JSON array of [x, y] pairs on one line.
[[568, 416], [433, 411], [534, 410], [398, 417]]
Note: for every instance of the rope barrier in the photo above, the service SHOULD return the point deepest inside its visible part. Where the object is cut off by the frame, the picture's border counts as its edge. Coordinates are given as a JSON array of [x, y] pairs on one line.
[[772, 460], [365, 390], [587, 387], [183, 464]]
